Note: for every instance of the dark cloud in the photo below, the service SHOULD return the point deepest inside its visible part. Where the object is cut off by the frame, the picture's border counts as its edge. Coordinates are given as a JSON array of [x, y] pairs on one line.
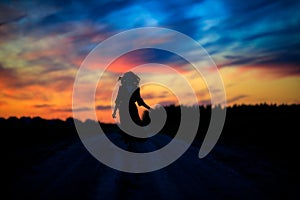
[[7, 74], [282, 58], [99, 9], [274, 33], [100, 107], [222, 41], [9, 14], [188, 26], [166, 103], [247, 15], [236, 98], [24, 95], [42, 106], [241, 7], [146, 56], [12, 78], [12, 20], [285, 62], [59, 83], [205, 102], [240, 60], [233, 57], [152, 96], [70, 109]]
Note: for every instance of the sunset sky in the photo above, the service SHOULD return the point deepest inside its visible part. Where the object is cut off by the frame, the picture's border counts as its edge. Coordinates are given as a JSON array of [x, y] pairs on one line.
[[255, 45]]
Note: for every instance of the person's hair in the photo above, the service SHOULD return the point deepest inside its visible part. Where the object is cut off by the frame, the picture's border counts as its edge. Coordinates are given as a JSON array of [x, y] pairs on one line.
[[129, 77]]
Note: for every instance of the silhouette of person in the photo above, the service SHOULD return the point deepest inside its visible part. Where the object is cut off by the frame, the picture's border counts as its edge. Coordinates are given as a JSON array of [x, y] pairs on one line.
[[128, 95]]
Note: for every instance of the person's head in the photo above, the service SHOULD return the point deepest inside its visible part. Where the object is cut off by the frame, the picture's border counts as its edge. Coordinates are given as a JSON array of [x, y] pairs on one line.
[[130, 78]]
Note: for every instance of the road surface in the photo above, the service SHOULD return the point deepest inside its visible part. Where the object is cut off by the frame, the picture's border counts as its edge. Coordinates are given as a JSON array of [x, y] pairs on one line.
[[73, 173]]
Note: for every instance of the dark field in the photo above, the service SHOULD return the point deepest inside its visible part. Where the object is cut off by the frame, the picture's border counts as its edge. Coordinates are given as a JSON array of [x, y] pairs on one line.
[[255, 158]]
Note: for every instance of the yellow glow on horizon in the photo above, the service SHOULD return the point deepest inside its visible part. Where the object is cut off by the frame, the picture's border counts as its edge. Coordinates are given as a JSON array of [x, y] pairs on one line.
[[243, 86], [254, 89]]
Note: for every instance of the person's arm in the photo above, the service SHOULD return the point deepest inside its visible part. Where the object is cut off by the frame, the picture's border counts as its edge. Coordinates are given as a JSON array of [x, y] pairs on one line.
[[140, 101]]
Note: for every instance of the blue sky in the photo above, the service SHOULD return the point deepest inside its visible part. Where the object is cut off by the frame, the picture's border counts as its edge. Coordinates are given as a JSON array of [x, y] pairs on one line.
[[234, 32]]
